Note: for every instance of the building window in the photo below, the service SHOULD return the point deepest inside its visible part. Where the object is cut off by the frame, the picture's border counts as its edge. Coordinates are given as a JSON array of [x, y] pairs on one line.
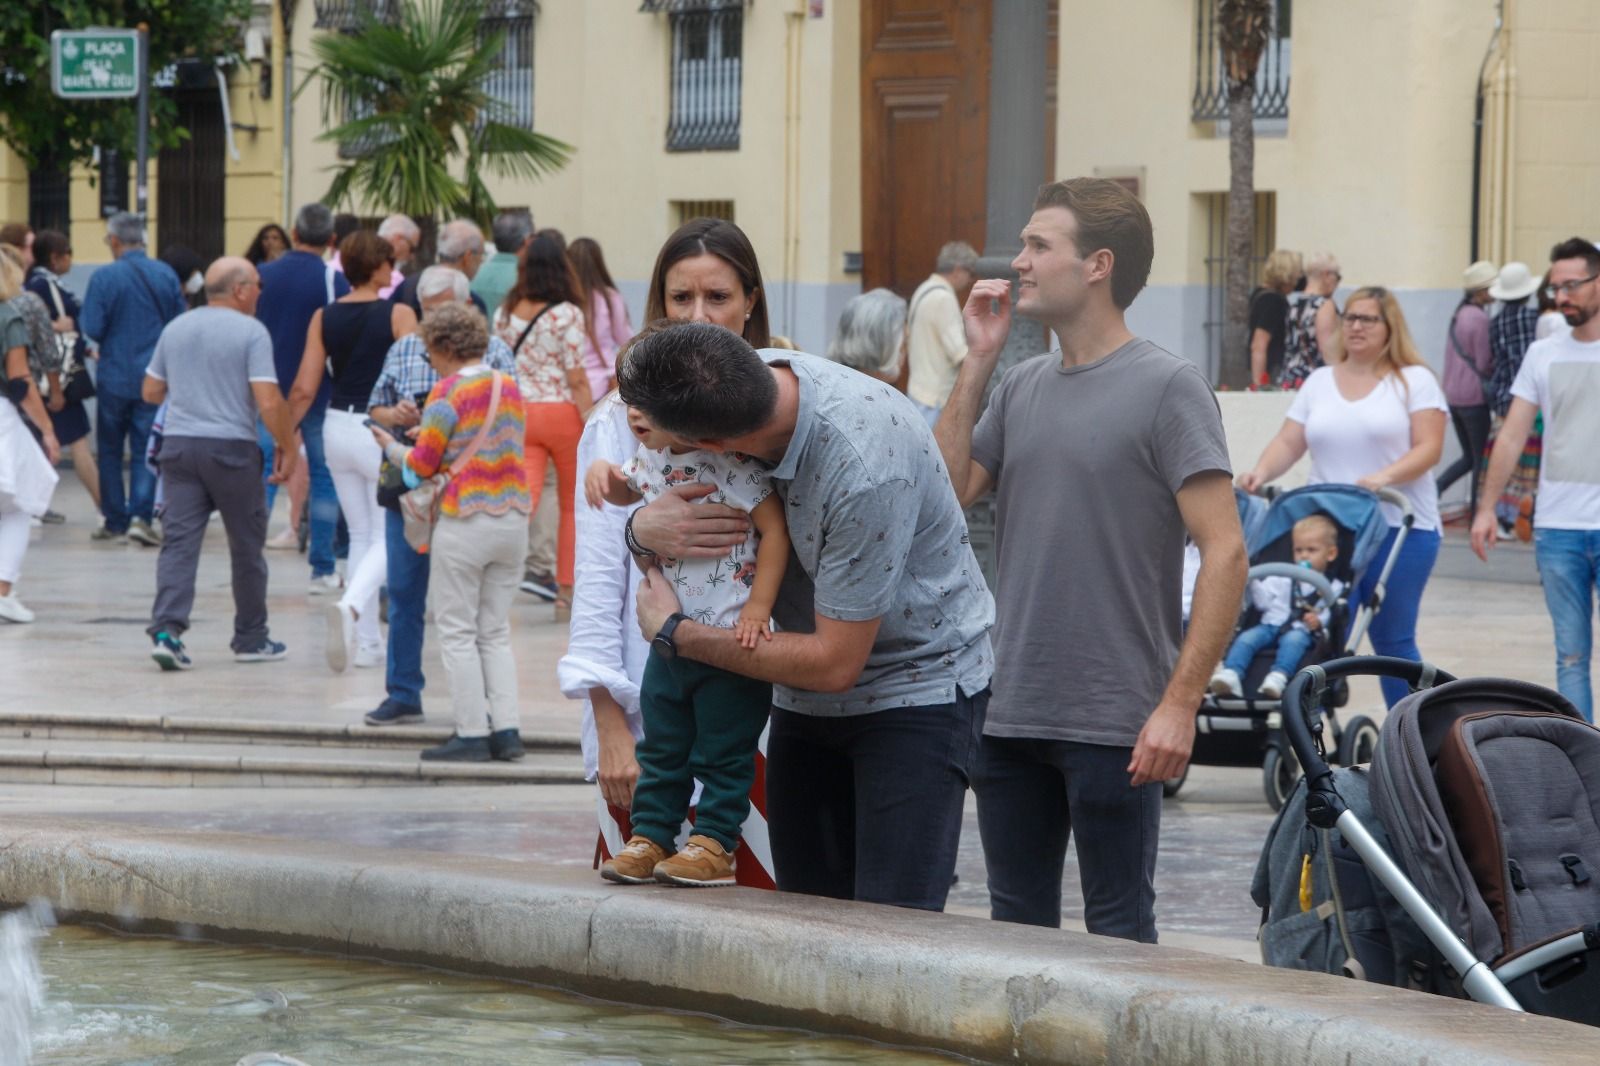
[[706, 75], [114, 185], [346, 15], [1263, 241], [50, 197], [685, 210], [1210, 102], [511, 80]]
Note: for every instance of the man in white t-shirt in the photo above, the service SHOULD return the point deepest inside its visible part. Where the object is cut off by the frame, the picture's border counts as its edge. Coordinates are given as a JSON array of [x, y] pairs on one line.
[[936, 339], [1560, 379]]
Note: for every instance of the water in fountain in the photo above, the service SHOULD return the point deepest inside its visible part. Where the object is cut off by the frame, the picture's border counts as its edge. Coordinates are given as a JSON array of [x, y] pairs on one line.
[[21, 983]]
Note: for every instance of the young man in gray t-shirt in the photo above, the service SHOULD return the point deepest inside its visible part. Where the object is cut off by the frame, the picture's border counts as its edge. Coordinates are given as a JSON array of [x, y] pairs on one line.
[[213, 368], [1102, 456]]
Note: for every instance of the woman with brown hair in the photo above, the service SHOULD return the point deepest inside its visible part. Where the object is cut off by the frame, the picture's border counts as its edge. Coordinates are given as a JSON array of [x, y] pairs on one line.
[[1374, 417], [607, 327], [541, 322], [351, 337], [707, 272]]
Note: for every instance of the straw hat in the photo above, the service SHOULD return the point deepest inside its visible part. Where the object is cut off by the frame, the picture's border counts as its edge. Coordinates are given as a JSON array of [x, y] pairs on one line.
[[1479, 275], [1516, 282]]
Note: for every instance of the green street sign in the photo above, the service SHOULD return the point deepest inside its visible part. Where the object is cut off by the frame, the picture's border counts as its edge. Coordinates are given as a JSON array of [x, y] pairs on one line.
[[94, 64]]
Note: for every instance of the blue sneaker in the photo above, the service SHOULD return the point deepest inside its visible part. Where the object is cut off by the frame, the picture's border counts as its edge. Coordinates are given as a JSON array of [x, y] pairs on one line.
[[393, 712], [169, 653], [267, 651]]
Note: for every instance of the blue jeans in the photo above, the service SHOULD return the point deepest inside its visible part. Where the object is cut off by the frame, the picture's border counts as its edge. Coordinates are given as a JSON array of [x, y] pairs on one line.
[[1569, 567], [1394, 628], [1033, 795], [324, 502], [119, 421], [408, 599], [1292, 647]]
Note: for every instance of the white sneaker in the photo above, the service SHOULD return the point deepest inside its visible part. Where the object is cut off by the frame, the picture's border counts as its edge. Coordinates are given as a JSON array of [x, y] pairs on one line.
[[326, 583], [288, 540], [1273, 684], [1225, 682], [341, 635], [142, 532], [11, 610], [366, 658]]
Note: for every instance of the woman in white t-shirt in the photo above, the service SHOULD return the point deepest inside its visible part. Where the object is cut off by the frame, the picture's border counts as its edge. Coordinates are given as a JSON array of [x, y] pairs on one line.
[[1374, 417]]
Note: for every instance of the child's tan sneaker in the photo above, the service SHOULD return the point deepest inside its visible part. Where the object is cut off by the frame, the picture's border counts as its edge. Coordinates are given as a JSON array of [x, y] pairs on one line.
[[703, 863], [636, 863]]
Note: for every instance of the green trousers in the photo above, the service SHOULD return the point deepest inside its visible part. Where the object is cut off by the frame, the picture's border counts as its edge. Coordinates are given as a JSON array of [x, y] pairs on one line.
[[699, 723]]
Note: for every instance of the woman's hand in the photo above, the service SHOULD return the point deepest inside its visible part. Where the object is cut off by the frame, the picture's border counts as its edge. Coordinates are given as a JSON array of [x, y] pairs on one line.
[[1250, 481], [57, 401], [1375, 482], [52, 447], [619, 767], [382, 436], [64, 324]]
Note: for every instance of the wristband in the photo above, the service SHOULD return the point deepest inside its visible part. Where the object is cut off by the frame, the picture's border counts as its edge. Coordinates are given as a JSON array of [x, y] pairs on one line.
[[632, 542]]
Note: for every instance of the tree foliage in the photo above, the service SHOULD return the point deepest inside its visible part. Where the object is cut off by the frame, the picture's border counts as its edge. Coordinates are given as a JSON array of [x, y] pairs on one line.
[[44, 128], [409, 92]]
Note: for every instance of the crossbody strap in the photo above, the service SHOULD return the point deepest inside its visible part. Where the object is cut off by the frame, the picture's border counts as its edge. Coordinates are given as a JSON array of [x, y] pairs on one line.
[[483, 431], [151, 289], [1461, 352], [517, 347]]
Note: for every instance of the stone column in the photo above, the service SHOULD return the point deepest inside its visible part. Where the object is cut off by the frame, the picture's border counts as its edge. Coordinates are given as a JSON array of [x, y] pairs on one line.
[[1017, 167]]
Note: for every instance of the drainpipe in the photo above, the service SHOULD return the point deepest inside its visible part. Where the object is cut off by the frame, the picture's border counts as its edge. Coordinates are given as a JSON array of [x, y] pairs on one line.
[[1477, 127], [287, 92]]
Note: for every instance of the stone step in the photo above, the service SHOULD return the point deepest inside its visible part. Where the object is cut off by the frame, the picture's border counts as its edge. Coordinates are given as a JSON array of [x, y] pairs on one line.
[[190, 729], [190, 764]]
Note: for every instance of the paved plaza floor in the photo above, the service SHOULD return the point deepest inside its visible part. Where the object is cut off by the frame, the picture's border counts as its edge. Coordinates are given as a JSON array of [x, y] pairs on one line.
[[87, 654]]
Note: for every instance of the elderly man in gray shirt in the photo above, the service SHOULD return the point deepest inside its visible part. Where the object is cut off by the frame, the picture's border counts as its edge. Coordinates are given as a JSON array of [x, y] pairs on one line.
[[882, 663]]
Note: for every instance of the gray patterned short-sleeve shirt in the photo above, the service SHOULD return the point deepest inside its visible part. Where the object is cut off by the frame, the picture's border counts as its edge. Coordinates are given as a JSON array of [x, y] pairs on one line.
[[877, 533]]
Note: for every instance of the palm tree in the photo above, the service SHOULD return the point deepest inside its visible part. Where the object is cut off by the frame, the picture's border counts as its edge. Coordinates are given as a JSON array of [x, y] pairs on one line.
[[409, 93], [1242, 30]]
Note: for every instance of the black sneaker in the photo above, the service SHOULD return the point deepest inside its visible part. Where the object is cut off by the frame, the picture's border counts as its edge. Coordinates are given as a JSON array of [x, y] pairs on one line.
[[540, 585], [506, 745], [169, 653], [268, 651], [393, 712], [52, 518], [459, 749]]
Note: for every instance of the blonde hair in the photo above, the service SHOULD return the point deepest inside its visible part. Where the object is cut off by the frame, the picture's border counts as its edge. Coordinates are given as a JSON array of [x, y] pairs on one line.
[[1281, 270], [1319, 525], [10, 273], [1400, 352]]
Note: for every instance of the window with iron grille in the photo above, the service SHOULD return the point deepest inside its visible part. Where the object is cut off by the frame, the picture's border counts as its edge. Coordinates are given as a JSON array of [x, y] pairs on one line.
[[707, 72], [1263, 240], [50, 197], [684, 210], [1210, 103], [511, 80]]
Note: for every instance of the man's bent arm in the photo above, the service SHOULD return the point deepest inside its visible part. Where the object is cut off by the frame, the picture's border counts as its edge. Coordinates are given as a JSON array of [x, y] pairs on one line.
[[987, 318], [829, 660], [1212, 517]]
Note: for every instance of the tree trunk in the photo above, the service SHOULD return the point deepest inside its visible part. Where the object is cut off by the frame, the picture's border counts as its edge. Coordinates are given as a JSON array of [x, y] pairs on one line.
[[1233, 368]]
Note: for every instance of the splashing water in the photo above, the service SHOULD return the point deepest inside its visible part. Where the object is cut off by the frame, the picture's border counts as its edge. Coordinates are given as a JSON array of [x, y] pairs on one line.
[[21, 983]]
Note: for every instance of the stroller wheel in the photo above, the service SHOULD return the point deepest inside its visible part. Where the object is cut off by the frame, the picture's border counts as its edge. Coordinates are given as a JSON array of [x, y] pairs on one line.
[[1279, 772], [1358, 741], [1170, 786]]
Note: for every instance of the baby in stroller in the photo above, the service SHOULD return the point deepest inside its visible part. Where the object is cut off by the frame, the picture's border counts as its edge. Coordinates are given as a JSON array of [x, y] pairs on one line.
[[1289, 621]]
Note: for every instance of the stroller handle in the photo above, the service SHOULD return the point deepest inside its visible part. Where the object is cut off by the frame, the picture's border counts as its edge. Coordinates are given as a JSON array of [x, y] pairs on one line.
[[1300, 702], [1294, 572]]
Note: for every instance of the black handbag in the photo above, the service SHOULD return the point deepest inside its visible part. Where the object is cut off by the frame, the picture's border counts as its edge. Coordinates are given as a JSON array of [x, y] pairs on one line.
[[76, 384]]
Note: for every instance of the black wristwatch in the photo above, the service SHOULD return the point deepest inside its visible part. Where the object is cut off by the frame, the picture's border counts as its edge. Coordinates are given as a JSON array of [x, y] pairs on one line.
[[662, 642]]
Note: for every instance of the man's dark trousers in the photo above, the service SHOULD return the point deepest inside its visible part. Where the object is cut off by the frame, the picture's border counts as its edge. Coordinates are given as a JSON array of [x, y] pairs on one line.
[[868, 806], [1032, 796], [124, 421], [699, 722], [202, 474]]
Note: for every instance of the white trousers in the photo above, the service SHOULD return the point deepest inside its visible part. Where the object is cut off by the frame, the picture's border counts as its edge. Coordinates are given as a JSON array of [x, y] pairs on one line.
[[14, 530], [353, 460]]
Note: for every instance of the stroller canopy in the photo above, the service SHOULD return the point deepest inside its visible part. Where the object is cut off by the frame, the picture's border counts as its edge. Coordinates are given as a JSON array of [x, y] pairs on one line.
[[1355, 510]]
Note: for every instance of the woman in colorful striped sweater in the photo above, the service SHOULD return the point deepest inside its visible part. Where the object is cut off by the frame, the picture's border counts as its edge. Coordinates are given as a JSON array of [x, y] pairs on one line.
[[482, 535]]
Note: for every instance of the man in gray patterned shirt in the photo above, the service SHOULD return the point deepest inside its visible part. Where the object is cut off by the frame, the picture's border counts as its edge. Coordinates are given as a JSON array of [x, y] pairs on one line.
[[882, 667]]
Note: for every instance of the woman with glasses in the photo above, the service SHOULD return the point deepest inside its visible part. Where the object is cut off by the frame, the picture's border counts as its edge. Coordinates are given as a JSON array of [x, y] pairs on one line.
[[1312, 321], [1374, 417]]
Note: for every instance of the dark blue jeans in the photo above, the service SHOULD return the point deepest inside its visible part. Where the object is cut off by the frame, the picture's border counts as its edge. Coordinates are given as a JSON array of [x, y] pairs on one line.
[[1394, 628], [1032, 794], [122, 421], [1291, 648], [1569, 568], [408, 600], [869, 807], [323, 502]]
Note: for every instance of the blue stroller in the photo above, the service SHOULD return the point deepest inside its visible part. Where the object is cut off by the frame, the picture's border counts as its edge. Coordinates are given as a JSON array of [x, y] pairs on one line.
[[1247, 730]]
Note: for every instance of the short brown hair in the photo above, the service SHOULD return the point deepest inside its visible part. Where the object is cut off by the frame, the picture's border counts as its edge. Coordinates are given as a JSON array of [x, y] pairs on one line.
[[361, 254], [1109, 217], [15, 234], [455, 330]]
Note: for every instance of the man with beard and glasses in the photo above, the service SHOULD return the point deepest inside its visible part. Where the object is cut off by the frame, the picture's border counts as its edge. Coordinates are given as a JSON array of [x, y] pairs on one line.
[[1560, 379]]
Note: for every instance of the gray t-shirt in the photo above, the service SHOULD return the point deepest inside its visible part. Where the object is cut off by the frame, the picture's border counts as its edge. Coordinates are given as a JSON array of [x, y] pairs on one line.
[[877, 533], [208, 358], [1088, 461]]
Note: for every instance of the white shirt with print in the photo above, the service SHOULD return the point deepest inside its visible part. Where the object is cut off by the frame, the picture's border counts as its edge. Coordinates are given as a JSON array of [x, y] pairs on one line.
[[1561, 376], [710, 591]]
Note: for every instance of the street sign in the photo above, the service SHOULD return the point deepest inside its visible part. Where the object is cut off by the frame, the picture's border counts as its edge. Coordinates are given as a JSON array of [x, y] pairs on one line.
[[94, 64]]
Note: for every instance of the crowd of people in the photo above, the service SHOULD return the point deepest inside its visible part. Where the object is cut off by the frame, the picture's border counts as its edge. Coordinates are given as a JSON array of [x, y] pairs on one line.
[[763, 554]]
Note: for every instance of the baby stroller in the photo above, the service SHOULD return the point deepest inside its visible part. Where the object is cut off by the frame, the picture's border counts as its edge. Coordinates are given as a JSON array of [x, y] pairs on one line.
[[1245, 730], [1466, 862]]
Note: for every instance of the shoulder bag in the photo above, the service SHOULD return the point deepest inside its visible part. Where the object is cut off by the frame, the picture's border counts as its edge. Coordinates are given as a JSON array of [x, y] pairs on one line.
[[1461, 352], [420, 507], [76, 384]]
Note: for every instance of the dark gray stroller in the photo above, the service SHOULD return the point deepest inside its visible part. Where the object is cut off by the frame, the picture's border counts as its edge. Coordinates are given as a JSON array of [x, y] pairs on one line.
[[1466, 862]]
